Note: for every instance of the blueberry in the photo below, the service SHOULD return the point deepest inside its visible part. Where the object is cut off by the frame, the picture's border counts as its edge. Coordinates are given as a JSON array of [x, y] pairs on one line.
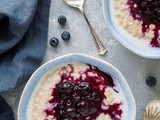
[[63, 95], [85, 86], [70, 112], [65, 35], [144, 5], [61, 112], [76, 96], [138, 1], [79, 117], [77, 93], [62, 19], [151, 81], [77, 88], [93, 110], [61, 104], [83, 108], [64, 103], [158, 13], [54, 41], [94, 97], [68, 103], [65, 86]]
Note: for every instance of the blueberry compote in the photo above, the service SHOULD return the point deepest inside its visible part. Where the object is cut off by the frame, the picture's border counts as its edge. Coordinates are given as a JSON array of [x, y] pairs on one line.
[[82, 98], [147, 11]]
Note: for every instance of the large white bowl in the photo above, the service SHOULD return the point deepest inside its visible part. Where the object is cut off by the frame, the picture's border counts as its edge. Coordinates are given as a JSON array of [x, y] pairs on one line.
[[153, 53], [37, 75]]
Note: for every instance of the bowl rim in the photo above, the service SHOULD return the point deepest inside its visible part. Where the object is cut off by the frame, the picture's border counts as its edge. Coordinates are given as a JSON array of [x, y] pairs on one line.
[[83, 56], [116, 34]]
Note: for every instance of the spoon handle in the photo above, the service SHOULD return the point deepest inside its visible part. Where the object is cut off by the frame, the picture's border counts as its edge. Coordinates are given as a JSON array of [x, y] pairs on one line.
[[99, 45]]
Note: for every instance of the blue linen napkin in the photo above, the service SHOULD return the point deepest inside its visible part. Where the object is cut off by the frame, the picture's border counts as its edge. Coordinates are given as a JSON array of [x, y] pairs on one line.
[[23, 39], [6, 112]]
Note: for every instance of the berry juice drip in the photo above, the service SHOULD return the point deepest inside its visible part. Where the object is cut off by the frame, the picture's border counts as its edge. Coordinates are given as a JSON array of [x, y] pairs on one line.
[[82, 98], [147, 11]]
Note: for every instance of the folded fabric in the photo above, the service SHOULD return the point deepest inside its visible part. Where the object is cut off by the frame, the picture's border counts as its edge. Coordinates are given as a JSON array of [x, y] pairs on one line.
[[5, 110], [23, 39]]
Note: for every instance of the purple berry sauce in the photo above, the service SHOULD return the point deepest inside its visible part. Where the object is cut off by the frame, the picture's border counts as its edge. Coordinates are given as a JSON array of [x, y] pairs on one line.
[[81, 99], [147, 11]]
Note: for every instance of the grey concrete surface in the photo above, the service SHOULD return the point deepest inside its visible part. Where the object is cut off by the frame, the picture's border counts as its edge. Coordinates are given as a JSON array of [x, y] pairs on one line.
[[134, 68]]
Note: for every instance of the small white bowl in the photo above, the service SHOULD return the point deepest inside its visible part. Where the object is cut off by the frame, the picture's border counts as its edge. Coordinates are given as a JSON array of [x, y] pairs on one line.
[[120, 35], [37, 75]]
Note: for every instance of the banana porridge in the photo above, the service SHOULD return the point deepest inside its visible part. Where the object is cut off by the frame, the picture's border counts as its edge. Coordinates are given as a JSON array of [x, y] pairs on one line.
[[77, 91], [140, 18]]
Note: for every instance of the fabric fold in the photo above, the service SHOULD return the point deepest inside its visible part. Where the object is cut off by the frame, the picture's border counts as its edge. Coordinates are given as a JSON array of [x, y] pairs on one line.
[[23, 39], [6, 112]]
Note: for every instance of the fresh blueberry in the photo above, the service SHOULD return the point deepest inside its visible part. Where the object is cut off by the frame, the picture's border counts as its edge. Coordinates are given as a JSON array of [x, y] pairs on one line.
[[151, 81], [65, 35], [54, 41], [62, 19]]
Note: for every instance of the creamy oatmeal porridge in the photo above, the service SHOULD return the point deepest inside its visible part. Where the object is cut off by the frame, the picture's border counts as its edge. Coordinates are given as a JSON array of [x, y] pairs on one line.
[[140, 18], [77, 91]]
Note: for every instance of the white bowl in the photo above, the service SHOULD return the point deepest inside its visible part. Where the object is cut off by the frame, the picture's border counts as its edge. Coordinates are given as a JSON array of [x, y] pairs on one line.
[[147, 52], [37, 75]]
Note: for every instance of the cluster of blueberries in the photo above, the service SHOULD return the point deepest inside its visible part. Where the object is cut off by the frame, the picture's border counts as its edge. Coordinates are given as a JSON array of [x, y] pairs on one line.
[[77, 101], [151, 8], [65, 35]]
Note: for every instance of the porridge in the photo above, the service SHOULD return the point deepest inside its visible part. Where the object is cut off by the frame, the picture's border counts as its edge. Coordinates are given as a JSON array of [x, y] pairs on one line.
[[77, 91], [140, 18]]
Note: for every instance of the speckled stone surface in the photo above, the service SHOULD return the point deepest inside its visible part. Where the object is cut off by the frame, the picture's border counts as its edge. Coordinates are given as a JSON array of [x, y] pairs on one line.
[[134, 68]]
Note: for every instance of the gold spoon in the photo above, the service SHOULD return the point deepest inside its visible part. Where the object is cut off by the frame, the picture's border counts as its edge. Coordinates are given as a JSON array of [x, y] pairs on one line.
[[79, 4]]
